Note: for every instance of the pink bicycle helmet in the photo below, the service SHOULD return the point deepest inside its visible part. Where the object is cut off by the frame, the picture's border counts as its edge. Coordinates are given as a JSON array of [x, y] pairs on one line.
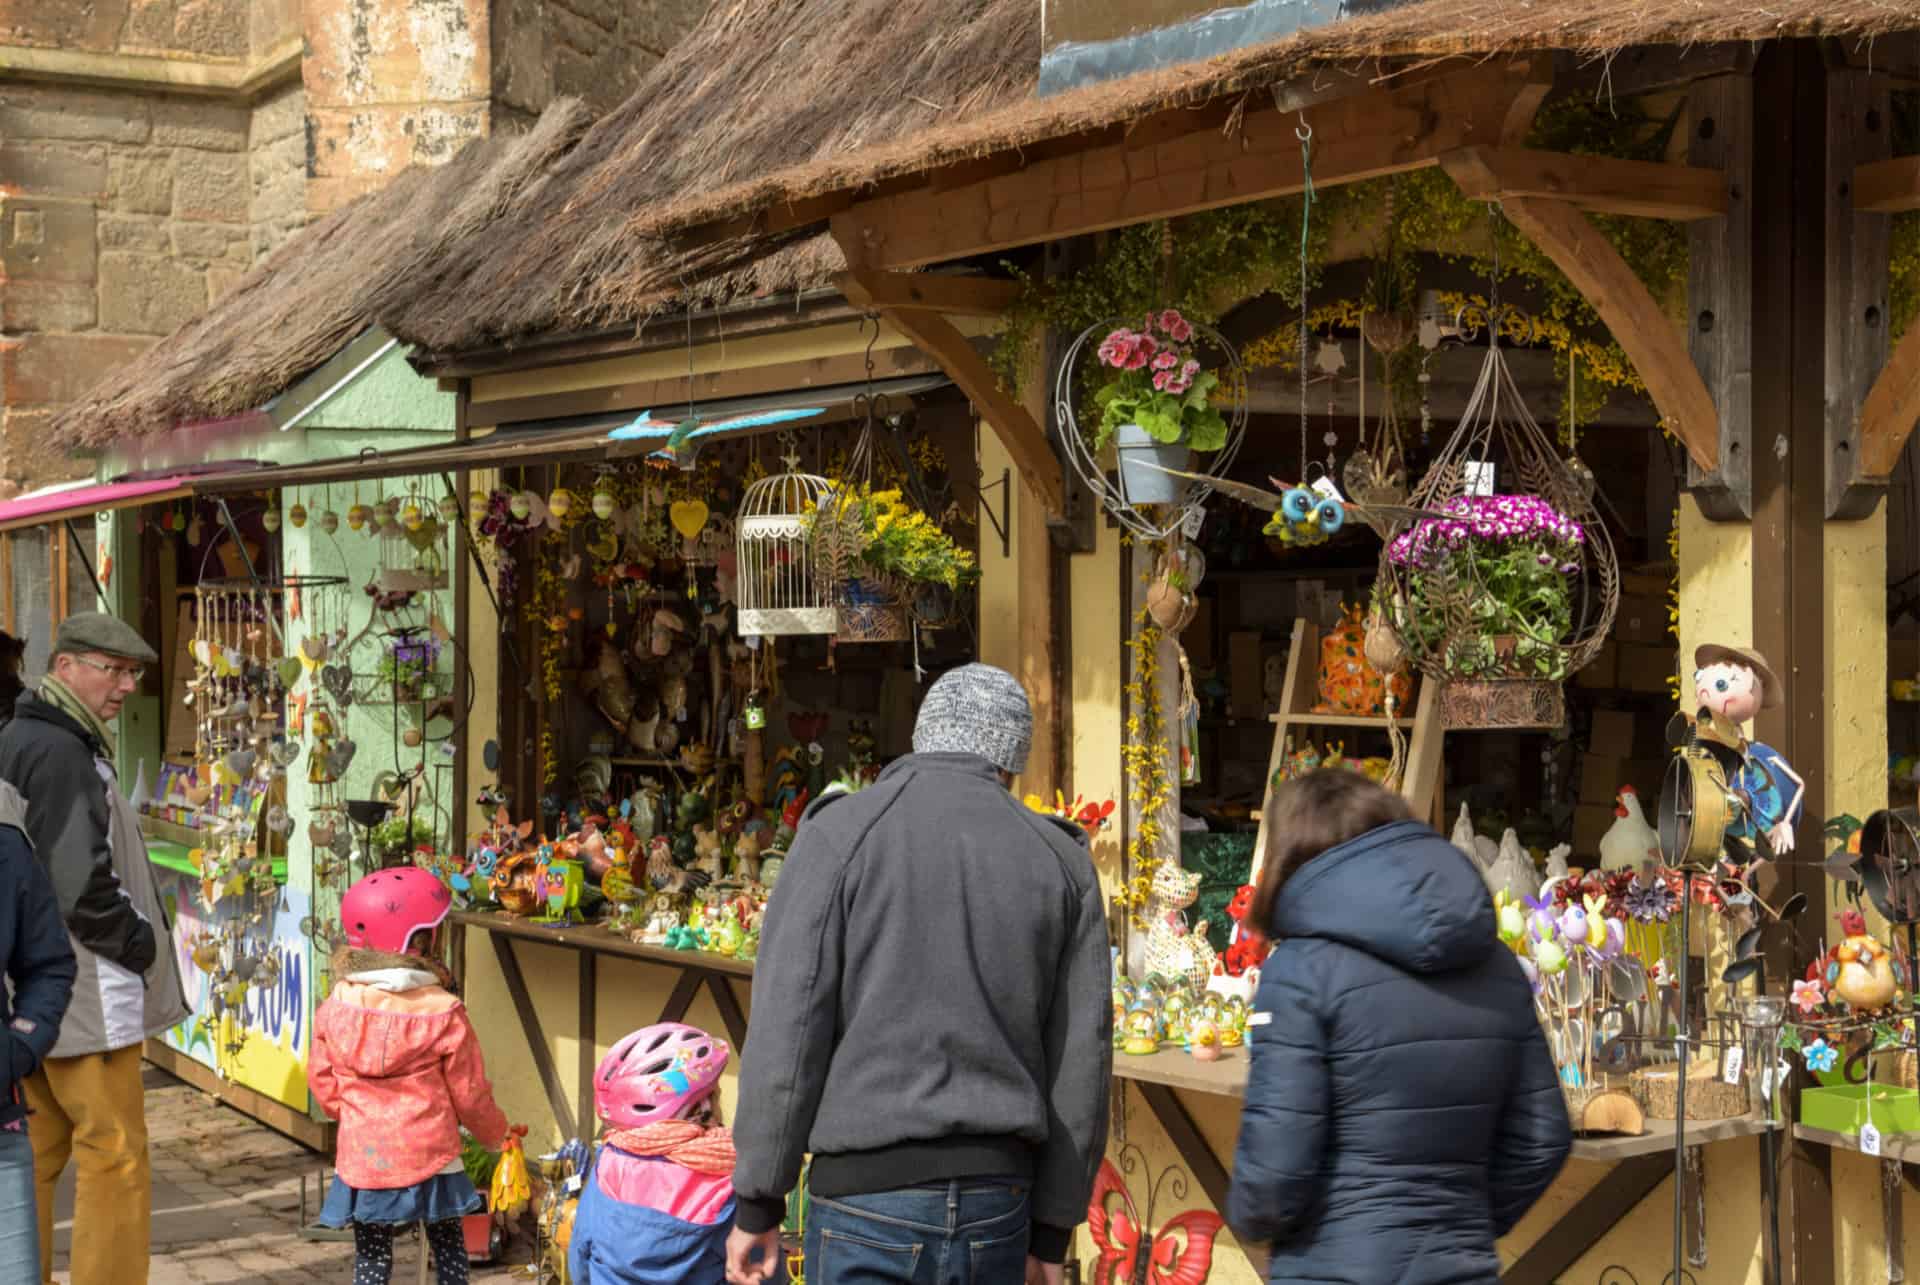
[[659, 1072], [385, 909]]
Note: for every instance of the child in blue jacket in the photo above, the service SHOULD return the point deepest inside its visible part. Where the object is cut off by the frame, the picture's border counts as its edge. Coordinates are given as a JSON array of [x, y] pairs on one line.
[[658, 1200]]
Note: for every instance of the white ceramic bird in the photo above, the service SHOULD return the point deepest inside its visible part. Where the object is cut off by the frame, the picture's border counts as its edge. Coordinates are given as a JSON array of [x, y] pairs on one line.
[[1629, 842], [1513, 870]]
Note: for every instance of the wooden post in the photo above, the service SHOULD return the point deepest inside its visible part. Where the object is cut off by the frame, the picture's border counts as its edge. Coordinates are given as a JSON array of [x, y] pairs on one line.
[[1789, 271], [1720, 291], [1859, 132]]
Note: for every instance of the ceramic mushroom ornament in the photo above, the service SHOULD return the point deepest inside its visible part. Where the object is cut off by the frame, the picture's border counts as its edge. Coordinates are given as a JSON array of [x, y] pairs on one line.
[[1734, 684]]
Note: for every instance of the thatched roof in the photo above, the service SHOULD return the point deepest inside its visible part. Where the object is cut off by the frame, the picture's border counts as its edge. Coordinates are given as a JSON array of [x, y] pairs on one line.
[[322, 288], [758, 86], [908, 138]]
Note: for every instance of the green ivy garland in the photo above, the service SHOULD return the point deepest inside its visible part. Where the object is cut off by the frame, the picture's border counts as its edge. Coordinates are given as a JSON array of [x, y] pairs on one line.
[[1225, 256]]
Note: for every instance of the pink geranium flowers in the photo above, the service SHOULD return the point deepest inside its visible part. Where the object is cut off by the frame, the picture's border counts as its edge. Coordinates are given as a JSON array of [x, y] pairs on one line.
[[1158, 385]]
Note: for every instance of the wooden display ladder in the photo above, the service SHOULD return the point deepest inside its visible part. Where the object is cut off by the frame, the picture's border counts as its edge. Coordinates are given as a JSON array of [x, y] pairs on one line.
[[1420, 783]]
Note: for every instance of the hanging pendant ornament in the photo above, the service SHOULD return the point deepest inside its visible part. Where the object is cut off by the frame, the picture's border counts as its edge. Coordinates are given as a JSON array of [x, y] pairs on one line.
[[297, 516], [270, 518], [560, 503], [412, 518], [357, 516], [604, 502], [755, 714], [1583, 479]]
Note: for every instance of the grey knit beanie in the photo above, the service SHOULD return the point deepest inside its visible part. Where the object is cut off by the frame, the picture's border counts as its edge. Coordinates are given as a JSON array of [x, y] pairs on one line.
[[976, 709]]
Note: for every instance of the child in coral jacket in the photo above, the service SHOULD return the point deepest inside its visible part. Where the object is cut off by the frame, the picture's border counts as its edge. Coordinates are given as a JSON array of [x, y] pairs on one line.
[[396, 1062], [658, 1202]]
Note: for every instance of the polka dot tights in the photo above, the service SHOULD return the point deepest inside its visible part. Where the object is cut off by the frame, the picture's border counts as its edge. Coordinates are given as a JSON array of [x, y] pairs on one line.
[[373, 1253]]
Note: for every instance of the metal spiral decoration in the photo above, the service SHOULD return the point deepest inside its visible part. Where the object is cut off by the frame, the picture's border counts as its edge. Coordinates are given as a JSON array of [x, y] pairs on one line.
[[1154, 522], [1497, 672]]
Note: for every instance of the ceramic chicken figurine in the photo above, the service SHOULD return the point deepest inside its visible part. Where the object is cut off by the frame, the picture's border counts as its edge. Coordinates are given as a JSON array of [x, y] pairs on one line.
[[1629, 842], [1512, 870], [664, 876], [1859, 970], [1463, 838]]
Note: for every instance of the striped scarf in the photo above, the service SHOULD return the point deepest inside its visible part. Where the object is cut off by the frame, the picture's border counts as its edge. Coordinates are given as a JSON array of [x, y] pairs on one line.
[[705, 1151], [61, 697]]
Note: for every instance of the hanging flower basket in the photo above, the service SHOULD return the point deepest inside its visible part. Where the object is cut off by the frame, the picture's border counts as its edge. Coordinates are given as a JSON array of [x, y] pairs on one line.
[[1132, 398], [1499, 595]]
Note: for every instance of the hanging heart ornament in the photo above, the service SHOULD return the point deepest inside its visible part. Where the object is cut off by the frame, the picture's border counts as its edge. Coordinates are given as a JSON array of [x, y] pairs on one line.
[[340, 757], [240, 762], [338, 680], [341, 845], [320, 831], [288, 669], [279, 820], [688, 516], [285, 752]]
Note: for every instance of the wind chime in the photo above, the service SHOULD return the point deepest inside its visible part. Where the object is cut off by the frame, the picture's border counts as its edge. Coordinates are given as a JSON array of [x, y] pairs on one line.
[[238, 693]]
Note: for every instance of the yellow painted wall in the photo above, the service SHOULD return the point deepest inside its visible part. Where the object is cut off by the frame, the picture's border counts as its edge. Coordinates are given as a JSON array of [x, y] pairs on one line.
[[631, 995]]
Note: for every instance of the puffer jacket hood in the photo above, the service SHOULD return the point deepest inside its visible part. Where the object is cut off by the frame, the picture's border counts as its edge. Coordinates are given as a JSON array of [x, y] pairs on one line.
[[1402, 1110], [1401, 893], [397, 1063]]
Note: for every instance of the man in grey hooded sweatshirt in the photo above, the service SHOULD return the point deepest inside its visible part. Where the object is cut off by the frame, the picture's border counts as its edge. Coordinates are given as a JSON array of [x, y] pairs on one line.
[[932, 1019]]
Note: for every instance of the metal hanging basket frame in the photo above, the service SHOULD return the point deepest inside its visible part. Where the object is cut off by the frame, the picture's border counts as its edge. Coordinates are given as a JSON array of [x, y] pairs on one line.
[[1152, 522], [1456, 627]]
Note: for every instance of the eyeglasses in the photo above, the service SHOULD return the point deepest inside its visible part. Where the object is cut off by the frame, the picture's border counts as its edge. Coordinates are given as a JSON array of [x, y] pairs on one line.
[[132, 673]]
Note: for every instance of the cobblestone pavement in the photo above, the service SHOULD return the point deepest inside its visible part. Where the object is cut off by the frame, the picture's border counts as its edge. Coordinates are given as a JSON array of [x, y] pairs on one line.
[[226, 1202]]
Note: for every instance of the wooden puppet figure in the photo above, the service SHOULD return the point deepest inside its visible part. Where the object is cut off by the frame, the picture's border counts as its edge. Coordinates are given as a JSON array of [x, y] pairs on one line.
[[1733, 684]]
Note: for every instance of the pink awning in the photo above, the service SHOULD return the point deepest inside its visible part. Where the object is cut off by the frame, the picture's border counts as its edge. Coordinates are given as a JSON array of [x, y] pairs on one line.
[[85, 501]]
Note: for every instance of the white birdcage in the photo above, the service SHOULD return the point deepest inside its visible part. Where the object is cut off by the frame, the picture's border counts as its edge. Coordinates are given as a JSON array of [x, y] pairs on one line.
[[779, 590]]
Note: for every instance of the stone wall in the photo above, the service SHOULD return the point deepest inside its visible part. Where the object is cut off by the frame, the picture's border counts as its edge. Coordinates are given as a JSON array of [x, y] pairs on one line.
[[390, 83], [593, 50], [122, 216]]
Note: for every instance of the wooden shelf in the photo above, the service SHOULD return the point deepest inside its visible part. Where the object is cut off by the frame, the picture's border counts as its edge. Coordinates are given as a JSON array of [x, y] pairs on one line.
[[1659, 1137], [1176, 1068], [596, 938], [1337, 720], [1904, 1147]]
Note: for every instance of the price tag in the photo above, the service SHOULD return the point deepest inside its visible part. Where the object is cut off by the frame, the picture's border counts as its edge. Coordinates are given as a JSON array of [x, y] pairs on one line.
[[1479, 477], [1195, 520], [574, 1184], [1324, 488], [1730, 1067], [1869, 1139]]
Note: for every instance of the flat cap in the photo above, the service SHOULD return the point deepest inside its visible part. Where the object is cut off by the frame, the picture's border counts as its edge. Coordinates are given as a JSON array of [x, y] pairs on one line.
[[97, 631]]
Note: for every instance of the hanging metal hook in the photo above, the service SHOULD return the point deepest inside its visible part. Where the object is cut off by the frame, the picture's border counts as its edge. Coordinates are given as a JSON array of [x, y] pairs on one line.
[[1303, 131]]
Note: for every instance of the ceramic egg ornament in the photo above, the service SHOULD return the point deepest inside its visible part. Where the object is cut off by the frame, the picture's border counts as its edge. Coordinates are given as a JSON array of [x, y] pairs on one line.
[[520, 505], [270, 519], [297, 516], [560, 503], [604, 503], [357, 516], [449, 510], [329, 521]]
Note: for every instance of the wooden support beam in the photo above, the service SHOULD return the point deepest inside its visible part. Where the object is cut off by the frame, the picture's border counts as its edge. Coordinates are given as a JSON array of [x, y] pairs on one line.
[[1011, 422], [1566, 236], [589, 1000], [1720, 292], [536, 1034], [1581, 1227], [1890, 186], [1385, 130], [1789, 267], [954, 296], [1859, 134], [729, 1005], [1187, 1140], [1646, 189], [1646, 69], [1892, 407], [681, 999]]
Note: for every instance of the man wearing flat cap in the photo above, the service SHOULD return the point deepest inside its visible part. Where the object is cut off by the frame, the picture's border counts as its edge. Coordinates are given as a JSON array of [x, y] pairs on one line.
[[87, 1099]]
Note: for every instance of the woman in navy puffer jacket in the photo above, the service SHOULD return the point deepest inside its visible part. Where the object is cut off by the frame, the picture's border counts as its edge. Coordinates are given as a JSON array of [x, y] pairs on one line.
[[1402, 1109]]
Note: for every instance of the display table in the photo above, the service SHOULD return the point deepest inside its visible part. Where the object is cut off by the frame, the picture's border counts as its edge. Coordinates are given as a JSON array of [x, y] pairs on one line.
[[1640, 1163], [590, 942]]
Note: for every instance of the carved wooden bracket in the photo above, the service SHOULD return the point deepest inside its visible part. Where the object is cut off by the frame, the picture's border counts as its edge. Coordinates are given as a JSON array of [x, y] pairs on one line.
[[1025, 440]]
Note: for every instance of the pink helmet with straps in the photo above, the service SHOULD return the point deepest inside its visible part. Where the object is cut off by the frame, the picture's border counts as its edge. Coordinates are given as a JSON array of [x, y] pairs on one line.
[[385, 909], [659, 1072]]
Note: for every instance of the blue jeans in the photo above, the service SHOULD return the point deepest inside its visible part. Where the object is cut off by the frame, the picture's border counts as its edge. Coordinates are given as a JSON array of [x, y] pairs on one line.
[[970, 1232], [19, 1227]]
